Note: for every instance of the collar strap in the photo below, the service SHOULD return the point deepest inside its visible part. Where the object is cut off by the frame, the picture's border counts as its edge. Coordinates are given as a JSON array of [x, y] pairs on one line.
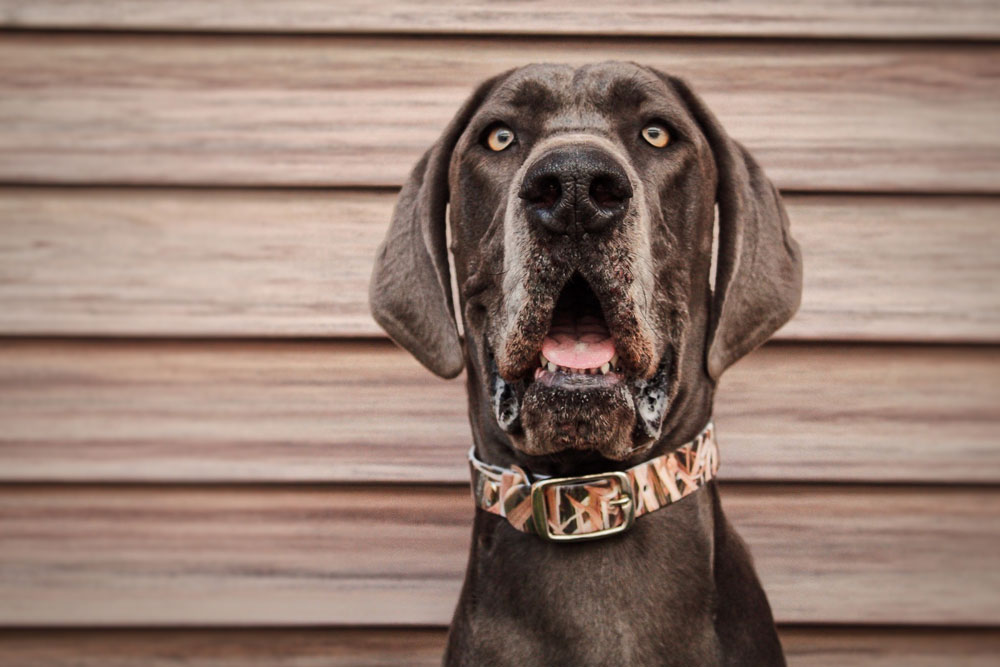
[[565, 509]]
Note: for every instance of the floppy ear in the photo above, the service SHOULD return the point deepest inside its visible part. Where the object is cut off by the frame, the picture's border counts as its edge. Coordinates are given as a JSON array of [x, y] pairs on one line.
[[410, 288], [758, 284]]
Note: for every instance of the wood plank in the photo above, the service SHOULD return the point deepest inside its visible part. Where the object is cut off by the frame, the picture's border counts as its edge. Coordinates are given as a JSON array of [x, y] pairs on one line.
[[190, 556], [853, 647], [370, 647], [224, 648], [258, 110], [351, 412], [964, 19], [289, 263]]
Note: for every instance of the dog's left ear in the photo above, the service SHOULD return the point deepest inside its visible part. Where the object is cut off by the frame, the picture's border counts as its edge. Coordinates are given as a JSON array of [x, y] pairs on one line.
[[758, 283], [410, 288]]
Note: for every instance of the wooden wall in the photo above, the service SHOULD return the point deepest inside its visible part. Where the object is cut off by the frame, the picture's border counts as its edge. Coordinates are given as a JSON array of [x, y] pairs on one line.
[[209, 454]]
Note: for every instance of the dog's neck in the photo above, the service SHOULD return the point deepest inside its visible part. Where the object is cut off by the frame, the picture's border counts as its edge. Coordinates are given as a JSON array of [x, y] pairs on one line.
[[615, 600]]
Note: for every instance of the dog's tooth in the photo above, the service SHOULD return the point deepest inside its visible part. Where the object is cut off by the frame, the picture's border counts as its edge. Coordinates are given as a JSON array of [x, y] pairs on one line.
[[615, 363], [605, 368], [543, 360]]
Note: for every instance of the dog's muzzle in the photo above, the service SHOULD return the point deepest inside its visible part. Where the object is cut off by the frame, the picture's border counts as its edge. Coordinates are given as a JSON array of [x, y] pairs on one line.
[[569, 509]]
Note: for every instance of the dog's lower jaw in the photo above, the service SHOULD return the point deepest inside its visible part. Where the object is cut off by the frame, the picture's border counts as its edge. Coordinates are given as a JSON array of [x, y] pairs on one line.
[[557, 419], [629, 415]]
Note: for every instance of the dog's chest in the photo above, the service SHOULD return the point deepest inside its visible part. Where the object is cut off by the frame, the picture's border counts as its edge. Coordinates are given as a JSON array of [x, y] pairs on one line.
[[647, 597]]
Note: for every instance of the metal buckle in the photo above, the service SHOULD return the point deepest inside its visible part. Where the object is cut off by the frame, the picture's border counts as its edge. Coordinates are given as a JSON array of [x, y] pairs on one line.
[[626, 501]]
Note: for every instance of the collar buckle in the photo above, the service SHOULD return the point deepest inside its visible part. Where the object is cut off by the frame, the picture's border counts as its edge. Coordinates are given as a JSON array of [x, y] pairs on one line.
[[624, 502]]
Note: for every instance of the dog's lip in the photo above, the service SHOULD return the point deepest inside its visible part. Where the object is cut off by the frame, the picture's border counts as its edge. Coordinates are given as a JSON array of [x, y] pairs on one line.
[[577, 381]]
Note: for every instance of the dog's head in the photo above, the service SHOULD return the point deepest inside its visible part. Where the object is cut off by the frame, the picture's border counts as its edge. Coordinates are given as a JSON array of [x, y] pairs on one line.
[[582, 213]]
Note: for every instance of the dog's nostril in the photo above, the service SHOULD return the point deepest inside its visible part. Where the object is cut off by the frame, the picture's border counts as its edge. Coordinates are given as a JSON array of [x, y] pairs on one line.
[[549, 192], [608, 192], [543, 192]]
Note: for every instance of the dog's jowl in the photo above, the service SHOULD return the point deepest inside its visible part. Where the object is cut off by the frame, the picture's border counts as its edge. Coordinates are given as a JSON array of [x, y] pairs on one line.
[[583, 209]]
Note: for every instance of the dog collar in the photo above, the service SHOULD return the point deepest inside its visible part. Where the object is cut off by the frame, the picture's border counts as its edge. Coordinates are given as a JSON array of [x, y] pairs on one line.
[[567, 509]]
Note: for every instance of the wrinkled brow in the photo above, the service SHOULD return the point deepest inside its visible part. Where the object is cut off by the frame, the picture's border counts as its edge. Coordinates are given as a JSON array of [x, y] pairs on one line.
[[626, 94], [532, 95]]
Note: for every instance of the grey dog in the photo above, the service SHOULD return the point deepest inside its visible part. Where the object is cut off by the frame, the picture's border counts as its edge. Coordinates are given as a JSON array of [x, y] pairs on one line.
[[597, 320]]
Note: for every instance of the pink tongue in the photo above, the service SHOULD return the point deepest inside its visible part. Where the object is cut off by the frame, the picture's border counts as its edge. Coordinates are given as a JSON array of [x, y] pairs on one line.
[[582, 343]]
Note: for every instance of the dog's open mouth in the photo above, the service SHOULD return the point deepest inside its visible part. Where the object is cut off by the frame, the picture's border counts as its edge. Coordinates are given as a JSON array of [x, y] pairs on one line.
[[575, 388], [578, 342]]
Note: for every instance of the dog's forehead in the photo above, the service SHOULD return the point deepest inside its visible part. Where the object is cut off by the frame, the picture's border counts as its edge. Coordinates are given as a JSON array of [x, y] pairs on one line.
[[569, 96]]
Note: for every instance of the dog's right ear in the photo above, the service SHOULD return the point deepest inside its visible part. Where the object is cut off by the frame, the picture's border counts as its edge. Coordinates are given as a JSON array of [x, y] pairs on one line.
[[759, 279], [410, 288]]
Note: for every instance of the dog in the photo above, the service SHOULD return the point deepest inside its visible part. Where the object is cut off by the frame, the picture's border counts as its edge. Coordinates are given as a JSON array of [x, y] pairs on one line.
[[615, 251]]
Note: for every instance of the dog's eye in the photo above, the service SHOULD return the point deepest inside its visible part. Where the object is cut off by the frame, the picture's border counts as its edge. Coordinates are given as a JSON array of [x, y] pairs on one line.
[[499, 138], [656, 135]]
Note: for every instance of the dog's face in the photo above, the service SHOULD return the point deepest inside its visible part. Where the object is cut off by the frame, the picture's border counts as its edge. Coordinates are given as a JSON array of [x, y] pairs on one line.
[[582, 210]]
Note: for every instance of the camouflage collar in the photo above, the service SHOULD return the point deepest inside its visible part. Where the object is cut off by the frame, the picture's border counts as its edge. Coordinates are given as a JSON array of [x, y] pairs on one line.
[[564, 509]]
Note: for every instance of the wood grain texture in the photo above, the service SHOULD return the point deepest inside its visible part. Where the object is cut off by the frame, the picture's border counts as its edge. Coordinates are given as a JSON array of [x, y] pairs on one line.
[[259, 490], [963, 19], [257, 110], [375, 647], [851, 647], [193, 556], [290, 263], [258, 647], [350, 412]]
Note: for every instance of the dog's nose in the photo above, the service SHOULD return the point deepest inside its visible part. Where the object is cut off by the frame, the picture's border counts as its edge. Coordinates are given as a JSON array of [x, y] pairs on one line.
[[576, 189]]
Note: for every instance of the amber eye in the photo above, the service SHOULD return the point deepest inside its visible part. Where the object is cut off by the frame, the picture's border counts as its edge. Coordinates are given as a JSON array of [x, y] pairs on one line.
[[499, 138], [656, 135]]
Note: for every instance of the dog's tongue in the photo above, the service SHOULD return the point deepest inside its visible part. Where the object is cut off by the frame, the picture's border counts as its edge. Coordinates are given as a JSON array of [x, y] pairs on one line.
[[583, 342]]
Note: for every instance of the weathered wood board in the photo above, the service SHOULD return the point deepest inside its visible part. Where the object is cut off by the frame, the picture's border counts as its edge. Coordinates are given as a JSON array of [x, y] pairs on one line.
[[413, 647], [267, 556], [964, 19], [363, 412], [350, 111], [286, 263]]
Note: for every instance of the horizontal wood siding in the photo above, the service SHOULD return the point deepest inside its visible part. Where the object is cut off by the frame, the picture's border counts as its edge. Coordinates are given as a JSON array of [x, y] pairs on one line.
[[422, 647], [346, 111], [211, 456], [964, 19], [361, 412], [183, 556], [286, 263]]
